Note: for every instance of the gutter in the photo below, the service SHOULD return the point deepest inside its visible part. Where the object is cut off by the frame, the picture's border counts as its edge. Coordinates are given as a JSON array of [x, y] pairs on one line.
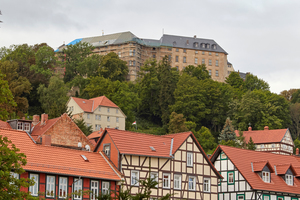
[[122, 179], [171, 148]]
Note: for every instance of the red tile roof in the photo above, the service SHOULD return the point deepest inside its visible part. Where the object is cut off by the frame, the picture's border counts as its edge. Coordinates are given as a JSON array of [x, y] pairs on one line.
[[50, 159], [264, 136], [95, 134], [179, 138], [242, 159], [4, 124], [89, 105], [258, 166], [39, 129]]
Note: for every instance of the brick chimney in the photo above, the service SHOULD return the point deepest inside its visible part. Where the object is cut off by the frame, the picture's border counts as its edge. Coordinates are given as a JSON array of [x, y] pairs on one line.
[[44, 118], [46, 140], [249, 128], [35, 119], [297, 151], [23, 118], [195, 36], [266, 128]]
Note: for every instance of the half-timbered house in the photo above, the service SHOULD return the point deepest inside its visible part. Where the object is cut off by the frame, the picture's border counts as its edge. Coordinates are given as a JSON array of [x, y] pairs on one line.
[[254, 175], [176, 161]]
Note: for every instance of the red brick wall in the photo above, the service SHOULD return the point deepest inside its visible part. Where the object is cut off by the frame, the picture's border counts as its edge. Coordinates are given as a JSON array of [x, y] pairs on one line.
[[65, 132], [113, 149]]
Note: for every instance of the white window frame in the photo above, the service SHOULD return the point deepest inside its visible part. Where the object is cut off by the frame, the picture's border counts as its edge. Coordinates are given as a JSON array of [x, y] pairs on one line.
[[63, 187], [99, 109], [209, 62], [97, 127], [20, 126], [166, 180], [189, 159], [108, 118], [177, 181], [108, 110], [209, 72], [289, 179], [107, 150], [206, 184], [34, 190], [217, 72], [14, 175], [196, 60], [77, 187], [217, 62], [265, 176], [50, 186], [117, 119], [117, 111], [192, 183], [88, 116], [26, 126], [154, 175], [230, 175], [135, 176], [203, 61], [94, 189], [105, 190]]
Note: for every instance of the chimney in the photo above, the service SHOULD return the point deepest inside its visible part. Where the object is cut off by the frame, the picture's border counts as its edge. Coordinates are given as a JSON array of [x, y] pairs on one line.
[[297, 152], [195, 36], [46, 140], [35, 119], [44, 118], [187, 42], [249, 128], [23, 118], [266, 128]]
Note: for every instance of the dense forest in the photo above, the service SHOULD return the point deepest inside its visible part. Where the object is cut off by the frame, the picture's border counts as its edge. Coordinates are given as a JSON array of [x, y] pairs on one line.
[[161, 101]]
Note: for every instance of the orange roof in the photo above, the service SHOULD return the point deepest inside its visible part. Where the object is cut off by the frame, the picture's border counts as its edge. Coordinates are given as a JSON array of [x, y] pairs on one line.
[[39, 129], [242, 160], [64, 161], [264, 136], [258, 166], [179, 138], [89, 105], [4, 124], [95, 134]]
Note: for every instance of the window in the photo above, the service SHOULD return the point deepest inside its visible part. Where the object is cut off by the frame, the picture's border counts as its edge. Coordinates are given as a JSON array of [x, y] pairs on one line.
[[35, 188], [108, 118], [63, 186], [289, 179], [217, 63], [14, 175], [203, 53], [177, 50], [154, 176], [130, 52], [133, 63], [209, 53], [50, 187], [217, 72], [135, 178], [77, 188], [176, 58], [262, 146], [189, 159], [153, 56], [119, 54], [184, 50], [133, 52], [240, 197], [203, 45], [108, 126], [117, 111], [273, 145], [209, 72], [130, 62], [230, 178], [88, 124], [266, 176], [166, 180], [106, 149], [169, 49], [217, 54], [88, 116], [209, 61], [105, 187], [99, 109], [169, 57], [280, 198], [284, 146], [196, 60], [94, 189], [20, 125], [177, 181], [97, 127], [223, 156], [266, 197], [177, 68], [184, 59], [97, 117], [117, 119], [206, 185], [196, 52], [26, 126], [192, 183], [108, 110], [203, 61]]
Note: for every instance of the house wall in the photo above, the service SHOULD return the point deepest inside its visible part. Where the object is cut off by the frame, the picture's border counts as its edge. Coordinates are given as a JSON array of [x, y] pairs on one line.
[[73, 106], [173, 166], [114, 153]]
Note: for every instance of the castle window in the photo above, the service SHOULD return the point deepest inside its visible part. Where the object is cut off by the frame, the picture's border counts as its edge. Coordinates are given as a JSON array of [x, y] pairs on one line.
[[196, 60], [176, 58], [217, 72], [184, 59]]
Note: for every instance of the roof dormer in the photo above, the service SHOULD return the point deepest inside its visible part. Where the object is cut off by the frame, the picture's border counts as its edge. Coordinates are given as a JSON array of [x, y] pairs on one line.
[[263, 169], [287, 173]]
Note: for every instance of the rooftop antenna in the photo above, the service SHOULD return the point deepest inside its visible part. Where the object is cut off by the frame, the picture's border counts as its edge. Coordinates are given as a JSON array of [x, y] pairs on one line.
[[102, 32]]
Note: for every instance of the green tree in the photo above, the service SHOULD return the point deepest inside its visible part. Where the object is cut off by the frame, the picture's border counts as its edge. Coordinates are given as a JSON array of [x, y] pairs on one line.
[[199, 71], [287, 94], [297, 144], [295, 120], [113, 67], [6, 98], [11, 160], [54, 97], [206, 140], [87, 130], [228, 132], [177, 123], [296, 97], [254, 83], [237, 83], [251, 145]]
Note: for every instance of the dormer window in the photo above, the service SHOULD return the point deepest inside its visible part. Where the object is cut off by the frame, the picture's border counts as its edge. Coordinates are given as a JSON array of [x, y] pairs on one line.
[[20, 125], [265, 176], [289, 179], [106, 148]]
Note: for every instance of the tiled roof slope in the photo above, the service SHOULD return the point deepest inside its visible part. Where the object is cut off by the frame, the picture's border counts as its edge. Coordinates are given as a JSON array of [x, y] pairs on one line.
[[39, 129], [242, 159], [89, 105], [179, 138], [95, 134], [264, 136], [49, 159], [4, 124]]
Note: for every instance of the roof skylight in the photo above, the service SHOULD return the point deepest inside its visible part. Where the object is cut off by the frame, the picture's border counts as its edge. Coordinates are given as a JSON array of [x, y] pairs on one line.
[[152, 148], [84, 158]]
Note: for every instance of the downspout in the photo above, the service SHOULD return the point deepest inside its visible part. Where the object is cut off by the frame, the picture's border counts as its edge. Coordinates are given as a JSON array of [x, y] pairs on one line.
[[171, 148]]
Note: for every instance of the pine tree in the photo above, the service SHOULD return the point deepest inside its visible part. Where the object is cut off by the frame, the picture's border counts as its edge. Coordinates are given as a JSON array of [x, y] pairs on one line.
[[228, 132], [251, 145]]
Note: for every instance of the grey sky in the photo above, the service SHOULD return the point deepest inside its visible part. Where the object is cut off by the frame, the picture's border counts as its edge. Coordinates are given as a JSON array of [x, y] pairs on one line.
[[261, 37]]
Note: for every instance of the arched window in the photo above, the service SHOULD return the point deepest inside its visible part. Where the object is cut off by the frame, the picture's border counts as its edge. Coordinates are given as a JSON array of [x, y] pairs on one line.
[[196, 44]]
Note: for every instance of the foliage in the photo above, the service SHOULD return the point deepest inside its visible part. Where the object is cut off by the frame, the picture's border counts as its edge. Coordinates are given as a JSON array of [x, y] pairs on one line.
[[297, 144], [254, 83], [206, 140], [295, 120], [87, 130], [228, 132], [177, 123], [11, 160], [54, 97], [287, 94], [251, 145], [237, 83], [113, 67], [199, 71], [296, 97], [6, 98]]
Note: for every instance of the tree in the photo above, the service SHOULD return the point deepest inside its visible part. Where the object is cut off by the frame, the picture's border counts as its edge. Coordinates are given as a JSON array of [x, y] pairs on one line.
[[206, 140], [295, 120], [6, 98], [177, 123], [228, 132], [54, 97], [251, 145], [87, 130], [287, 94], [296, 97], [297, 144], [113, 67], [199, 71], [11, 160], [254, 83], [237, 83]]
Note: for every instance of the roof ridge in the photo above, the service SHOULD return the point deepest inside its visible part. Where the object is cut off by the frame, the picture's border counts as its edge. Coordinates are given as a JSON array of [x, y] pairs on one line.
[[177, 133]]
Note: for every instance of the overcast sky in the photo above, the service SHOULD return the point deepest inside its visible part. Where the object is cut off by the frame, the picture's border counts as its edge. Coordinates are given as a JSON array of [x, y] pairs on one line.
[[261, 37]]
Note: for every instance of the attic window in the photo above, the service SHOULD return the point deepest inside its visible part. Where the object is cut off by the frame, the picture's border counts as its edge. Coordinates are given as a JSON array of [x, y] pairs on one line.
[[152, 148], [289, 179], [266, 176], [84, 158]]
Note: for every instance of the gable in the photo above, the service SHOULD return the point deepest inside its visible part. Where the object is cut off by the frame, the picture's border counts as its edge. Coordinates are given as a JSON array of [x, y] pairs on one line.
[[76, 108]]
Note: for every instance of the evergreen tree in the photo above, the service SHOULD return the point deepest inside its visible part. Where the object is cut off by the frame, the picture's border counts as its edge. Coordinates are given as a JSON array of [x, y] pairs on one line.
[[251, 145], [228, 132]]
